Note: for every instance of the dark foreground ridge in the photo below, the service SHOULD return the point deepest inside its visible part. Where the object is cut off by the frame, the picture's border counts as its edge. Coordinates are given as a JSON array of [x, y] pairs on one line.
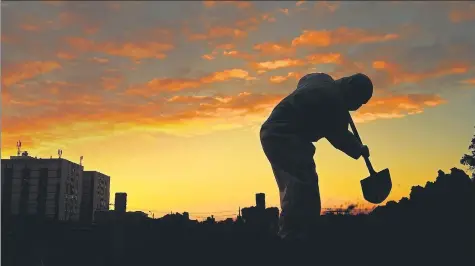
[[434, 226]]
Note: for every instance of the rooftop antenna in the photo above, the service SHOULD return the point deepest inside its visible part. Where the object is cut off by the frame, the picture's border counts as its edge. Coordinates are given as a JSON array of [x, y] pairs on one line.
[[80, 160], [60, 152], [18, 145]]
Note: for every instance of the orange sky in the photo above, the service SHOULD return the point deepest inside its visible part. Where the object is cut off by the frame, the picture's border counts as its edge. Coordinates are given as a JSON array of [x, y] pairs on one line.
[[167, 98]]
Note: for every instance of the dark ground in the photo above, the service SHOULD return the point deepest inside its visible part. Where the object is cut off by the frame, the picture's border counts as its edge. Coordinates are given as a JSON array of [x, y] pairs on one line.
[[343, 240], [434, 226]]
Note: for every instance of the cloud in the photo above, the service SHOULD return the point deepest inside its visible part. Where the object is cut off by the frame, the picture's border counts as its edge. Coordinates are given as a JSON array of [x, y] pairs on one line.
[[236, 30], [159, 85], [65, 55], [93, 104], [240, 55], [330, 6], [244, 102], [163, 85], [226, 46], [111, 83], [276, 64], [189, 99], [284, 10], [209, 3], [90, 113], [324, 58], [226, 49], [268, 17], [179, 114], [33, 23], [208, 56], [99, 60], [250, 23], [468, 81], [27, 70], [270, 48], [242, 4], [88, 24], [92, 29], [30, 27], [238, 4], [312, 59], [218, 32], [281, 79], [7, 38], [460, 15], [322, 38], [53, 3], [226, 75], [6, 96], [35, 98], [114, 6], [136, 51], [132, 50], [64, 19], [80, 44], [84, 114], [224, 111], [396, 106], [325, 38], [398, 75], [319, 58]]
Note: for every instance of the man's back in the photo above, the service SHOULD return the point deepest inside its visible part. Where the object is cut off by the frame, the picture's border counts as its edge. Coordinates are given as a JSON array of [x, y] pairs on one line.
[[310, 112]]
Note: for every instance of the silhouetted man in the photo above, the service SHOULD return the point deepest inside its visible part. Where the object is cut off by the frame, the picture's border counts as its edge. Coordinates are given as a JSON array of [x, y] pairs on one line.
[[318, 108]]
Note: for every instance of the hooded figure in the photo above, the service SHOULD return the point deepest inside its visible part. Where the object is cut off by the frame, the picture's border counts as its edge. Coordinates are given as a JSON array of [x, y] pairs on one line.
[[318, 108]]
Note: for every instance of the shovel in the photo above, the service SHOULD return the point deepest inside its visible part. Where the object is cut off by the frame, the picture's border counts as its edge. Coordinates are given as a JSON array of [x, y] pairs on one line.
[[377, 186]]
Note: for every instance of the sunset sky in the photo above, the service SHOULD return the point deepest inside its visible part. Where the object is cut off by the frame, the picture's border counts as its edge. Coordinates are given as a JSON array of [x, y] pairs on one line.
[[167, 98]]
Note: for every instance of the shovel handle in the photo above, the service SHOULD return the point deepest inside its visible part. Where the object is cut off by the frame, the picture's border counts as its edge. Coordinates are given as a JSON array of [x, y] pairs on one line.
[[366, 159]]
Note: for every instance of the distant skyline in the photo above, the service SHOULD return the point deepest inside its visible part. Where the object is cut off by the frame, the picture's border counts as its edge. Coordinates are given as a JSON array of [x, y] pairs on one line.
[[167, 97]]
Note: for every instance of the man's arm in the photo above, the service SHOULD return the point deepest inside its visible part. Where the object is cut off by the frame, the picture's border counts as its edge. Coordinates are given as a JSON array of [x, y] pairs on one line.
[[336, 130], [346, 142]]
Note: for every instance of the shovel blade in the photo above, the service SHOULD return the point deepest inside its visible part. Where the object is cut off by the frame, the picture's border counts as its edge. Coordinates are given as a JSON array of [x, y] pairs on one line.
[[376, 187]]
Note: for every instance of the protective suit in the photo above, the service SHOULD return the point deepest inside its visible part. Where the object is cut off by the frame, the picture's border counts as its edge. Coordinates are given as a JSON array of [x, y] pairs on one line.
[[313, 111]]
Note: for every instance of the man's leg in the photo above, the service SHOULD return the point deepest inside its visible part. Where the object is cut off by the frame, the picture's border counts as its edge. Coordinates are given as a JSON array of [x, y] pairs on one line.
[[300, 204], [294, 169]]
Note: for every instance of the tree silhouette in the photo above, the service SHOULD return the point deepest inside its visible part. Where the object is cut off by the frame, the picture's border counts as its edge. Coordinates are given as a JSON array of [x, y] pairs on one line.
[[469, 159]]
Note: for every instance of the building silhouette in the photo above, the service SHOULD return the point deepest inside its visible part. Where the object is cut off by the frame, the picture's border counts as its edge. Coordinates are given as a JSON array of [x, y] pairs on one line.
[[261, 201], [120, 205], [177, 219], [95, 194], [45, 188], [260, 216], [120, 213]]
